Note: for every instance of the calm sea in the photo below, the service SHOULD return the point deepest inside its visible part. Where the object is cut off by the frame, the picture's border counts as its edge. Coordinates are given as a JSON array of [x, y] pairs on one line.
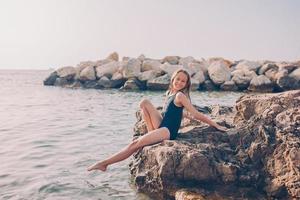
[[50, 135]]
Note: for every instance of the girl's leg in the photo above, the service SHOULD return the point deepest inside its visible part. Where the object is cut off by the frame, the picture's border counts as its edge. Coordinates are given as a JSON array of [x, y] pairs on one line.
[[152, 137], [151, 116]]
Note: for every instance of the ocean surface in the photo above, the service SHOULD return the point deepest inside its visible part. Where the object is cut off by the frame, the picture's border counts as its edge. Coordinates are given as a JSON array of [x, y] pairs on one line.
[[50, 135]]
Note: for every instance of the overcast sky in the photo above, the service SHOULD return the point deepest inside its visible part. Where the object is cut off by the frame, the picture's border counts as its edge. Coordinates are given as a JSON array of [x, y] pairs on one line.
[[38, 34]]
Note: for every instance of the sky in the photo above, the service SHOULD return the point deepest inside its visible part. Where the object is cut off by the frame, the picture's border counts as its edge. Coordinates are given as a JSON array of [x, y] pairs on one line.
[[43, 34]]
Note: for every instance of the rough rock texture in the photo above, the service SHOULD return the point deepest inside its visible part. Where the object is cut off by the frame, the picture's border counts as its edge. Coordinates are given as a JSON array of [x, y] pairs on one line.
[[213, 74], [258, 158]]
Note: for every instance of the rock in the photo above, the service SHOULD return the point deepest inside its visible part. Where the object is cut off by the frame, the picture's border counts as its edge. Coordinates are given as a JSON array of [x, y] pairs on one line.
[[295, 74], [91, 84], [151, 65], [271, 74], [266, 67], [257, 158], [285, 82], [170, 69], [242, 78], [117, 80], [141, 58], [201, 66], [219, 72], [199, 76], [62, 82], [219, 59], [107, 69], [229, 86], [159, 83], [50, 80], [184, 194], [173, 60], [194, 84], [113, 56], [208, 85], [88, 74], [288, 66], [132, 68], [148, 75], [248, 65], [261, 84], [186, 61], [133, 84], [66, 72]]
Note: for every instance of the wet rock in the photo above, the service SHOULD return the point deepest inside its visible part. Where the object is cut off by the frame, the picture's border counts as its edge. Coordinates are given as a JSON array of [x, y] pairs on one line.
[[229, 86], [66, 72], [50, 80]]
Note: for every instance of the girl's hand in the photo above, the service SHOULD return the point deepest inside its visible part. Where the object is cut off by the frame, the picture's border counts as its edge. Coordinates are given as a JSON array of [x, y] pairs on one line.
[[221, 128]]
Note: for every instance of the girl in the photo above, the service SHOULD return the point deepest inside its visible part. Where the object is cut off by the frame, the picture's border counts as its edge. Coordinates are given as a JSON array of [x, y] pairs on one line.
[[159, 127]]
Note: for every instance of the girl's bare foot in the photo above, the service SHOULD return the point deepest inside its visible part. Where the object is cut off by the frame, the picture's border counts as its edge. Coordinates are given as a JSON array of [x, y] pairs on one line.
[[97, 166]]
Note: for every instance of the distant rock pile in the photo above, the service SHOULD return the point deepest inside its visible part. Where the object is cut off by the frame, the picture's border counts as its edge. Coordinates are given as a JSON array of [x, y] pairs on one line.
[[258, 158], [154, 74]]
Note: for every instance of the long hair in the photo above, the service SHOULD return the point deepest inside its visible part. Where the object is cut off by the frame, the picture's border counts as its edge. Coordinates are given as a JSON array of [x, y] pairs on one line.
[[187, 88]]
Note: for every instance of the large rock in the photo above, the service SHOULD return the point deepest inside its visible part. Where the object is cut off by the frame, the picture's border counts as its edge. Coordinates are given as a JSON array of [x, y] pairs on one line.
[[199, 76], [107, 69], [257, 159], [285, 82], [148, 75], [199, 66], [133, 84], [151, 65], [170, 69], [248, 65], [132, 68], [219, 72], [173, 60], [295, 74], [242, 78], [50, 80], [266, 67], [113, 56], [66, 72], [261, 84], [229, 86], [159, 83], [185, 61], [88, 74]]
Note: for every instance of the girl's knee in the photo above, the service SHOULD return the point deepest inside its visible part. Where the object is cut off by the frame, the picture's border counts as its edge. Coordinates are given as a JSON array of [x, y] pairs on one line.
[[143, 103]]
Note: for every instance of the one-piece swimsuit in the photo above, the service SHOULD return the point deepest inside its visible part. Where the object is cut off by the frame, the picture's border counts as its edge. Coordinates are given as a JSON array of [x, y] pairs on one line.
[[172, 116]]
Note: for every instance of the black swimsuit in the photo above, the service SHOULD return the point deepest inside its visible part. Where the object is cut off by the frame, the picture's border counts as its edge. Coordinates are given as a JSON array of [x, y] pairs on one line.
[[172, 117]]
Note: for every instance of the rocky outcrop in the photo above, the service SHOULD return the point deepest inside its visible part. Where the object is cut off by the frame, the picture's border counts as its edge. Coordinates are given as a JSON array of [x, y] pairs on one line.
[[258, 158], [211, 74]]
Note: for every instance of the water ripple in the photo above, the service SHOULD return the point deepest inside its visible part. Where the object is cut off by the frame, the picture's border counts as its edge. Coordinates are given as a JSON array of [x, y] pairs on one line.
[[49, 136]]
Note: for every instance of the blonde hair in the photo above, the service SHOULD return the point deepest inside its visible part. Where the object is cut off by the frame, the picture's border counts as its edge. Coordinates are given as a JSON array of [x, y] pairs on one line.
[[187, 88]]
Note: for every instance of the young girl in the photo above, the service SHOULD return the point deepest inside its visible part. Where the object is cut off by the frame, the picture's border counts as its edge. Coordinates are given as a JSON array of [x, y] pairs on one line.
[[164, 127]]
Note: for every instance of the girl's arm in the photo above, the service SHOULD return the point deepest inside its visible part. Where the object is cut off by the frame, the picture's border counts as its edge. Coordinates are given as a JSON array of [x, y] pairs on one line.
[[181, 99]]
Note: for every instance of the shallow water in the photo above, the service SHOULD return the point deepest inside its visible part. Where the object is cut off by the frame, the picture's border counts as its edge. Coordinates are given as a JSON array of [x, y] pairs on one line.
[[49, 135]]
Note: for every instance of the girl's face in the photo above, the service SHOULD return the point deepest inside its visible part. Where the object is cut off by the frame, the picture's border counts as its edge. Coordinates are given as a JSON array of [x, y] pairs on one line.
[[180, 81]]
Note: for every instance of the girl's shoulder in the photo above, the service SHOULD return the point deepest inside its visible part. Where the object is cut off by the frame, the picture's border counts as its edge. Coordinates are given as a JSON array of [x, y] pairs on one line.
[[180, 96]]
